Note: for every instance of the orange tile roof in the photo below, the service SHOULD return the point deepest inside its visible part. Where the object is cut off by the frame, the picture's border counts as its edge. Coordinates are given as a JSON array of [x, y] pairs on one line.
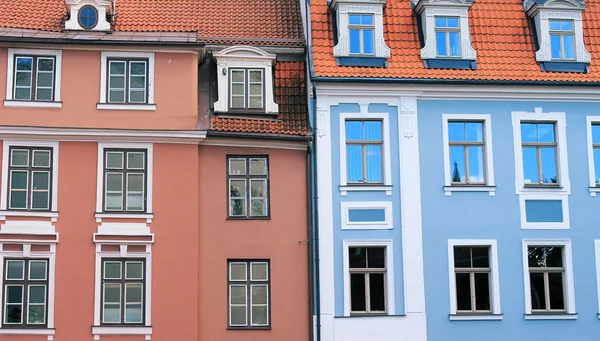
[[290, 94], [156, 15], [500, 33], [46, 15]]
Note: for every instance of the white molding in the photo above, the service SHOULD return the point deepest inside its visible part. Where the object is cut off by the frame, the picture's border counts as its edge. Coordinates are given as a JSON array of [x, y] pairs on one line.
[[27, 227], [124, 229], [589, 121], [569, 282], [561, 138], [97, 331], [597, 254], [48, 332], [140, 107], [35, 52], [104, 69], [475, 317], [149, 172], [346, 206], [29, 143], [32, 104], [42, 214], [488, 154], [364, 114], [102, 6], [100, 216], [495, 280], [389, 271], [551, 316], [244, 57], [563, 225], [345, 189]]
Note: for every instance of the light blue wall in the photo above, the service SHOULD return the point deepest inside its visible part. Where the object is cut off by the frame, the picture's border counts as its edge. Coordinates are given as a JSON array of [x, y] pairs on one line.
[[339, 235], [478, 216]]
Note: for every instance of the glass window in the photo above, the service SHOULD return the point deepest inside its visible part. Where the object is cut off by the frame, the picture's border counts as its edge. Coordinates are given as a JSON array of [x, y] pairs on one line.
[[467, 152], [248, 295], [125, 180], [246, 89], [546, 278], [25, 293], [128, 81], [472, 273], [123, 291], [88, 17], [248, 179], [364, 151], [30, 178], [538, 140], [367, 266], [596, 147], [447, 36], [34, 78], [361, 33], [562, 37]]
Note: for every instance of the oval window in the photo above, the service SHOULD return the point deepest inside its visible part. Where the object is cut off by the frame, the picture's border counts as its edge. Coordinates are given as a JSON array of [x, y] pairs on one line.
[[88, 17]]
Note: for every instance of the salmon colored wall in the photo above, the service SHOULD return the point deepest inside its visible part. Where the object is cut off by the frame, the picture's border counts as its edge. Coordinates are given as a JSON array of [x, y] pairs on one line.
[[278, 239], [175, 95]]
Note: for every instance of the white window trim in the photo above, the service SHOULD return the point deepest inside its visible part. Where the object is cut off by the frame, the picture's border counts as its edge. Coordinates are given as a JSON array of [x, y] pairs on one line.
[[146, 330], [590, 120], [389, 268], [103, 103], [488, 155], [569, 283], [376, 225], [495, 280], [9, 102], [54, 193], [597, 253], [102, 6], [564, 225], [100, 180], [385, 122], [561, 140], [27, 253]]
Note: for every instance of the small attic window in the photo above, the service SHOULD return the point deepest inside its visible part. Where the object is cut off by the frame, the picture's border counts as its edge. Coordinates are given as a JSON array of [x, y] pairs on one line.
[[562, 39], [361, 34], [91, 15], [88, 17]]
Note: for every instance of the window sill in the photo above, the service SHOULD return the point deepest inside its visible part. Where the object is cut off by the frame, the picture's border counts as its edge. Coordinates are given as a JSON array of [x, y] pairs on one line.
[[249, 328], [594, 190], [48, 332], [362, 60], [527, 189], [450, 63], [147, 216], [476, 317], [551, 316], [32, 104], [249, 218], [448, 189], [143, 107], [35, 214], [564, 65], [365, 188], [121, 330]]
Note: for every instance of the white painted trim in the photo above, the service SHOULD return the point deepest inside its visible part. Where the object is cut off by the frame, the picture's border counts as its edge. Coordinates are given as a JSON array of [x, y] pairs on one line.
[[569, 282], [108, 106], [551, 316], [364, 114], [495, 280], [389, 271], [29, 143], [33, 52], [28, 227], [561, 140], [597, 254], [102, 6], [32, 104], [44, 214], [97, 331], [100, 216], [488, 154], [564, 225], [589, 121], [346, 206], [104, 69], [100, 173], [476, 317], [124, 229], [345, 189]]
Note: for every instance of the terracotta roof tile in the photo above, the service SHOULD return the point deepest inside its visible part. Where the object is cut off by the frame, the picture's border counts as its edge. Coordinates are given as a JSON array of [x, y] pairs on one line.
[[500, 33], [45, 15], [290, 94], [156, 15]]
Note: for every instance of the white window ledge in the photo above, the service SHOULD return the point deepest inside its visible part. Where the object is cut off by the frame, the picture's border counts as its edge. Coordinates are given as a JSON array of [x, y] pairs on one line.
[[49, 332], [484, 188], [108, 106], [551, 316], [476, 317], [594, 190], [345, 189], [146, 331], [100, 216], [32, 104], [44, 214]]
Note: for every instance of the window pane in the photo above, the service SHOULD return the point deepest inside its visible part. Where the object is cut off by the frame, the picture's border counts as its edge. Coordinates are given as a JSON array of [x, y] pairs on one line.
[[554, 25], [133, 293], [44, 94], [20, 158], [555, 45], [530, 165], [23, 79], [238, 294], [452, 22], [355, 163], [457, 163], [135, 160], [41, 180], [538, 296], [133, 313], [237, 102], [376, 257], [137, 82], [114, 160], [138, 68], [36, 314], [112, 313], [237, 188], [555, 284], [259, 294], [354, 41], [440, 22], [482, 291], [568, 47], [474, 131], [354, 130], [258, 271], [357, 292], [238, 207], [237, 89], [137, 96], [454, 44], [135, 201], [18, 199], [528, 132], [237, 76], [597, 164], [112, 292], [135, 182], [456, 131], [545, 132], [13, 313], [549, 165], [596, 133], [377, 291], [476, 170], [18, 180], [14, 294], [40, 200], [366, 19], [566, 25], [238, 315], [116, 82], [22, 93], [258, 166], [368, 41], [255, 76], [462, 257], [15, 269], [354, 19], [117, 68], [24, 63], [117, 96], [255, 102], [372, 131], [237, 167], [134, 270], [114, 182], [374, 163], [480, 257], [358, 257], [112, 270], [37, 294], [44, 79], [545, 256], [41, 158], [463, 291], [255, 89], [259, 315], [440, 43], [258, 207], [237, 271], [37, 270]]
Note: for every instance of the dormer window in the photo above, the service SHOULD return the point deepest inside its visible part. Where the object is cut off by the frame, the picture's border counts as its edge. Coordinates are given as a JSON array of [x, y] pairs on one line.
[[91, 15], [562, 39], [247, 89], [361, 34], [88, 17], [447, 36]]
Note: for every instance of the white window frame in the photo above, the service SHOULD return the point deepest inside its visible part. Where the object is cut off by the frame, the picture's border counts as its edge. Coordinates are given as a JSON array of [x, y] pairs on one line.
[[561, 141], [569, 282], [389, 269], [32, 255], [387, 168], [146, 329], [387, 224], [4, 211], [490, 185], [9, 102], [148, 215], [564, 225], [496, 313], [589, 121], [103, 103]]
